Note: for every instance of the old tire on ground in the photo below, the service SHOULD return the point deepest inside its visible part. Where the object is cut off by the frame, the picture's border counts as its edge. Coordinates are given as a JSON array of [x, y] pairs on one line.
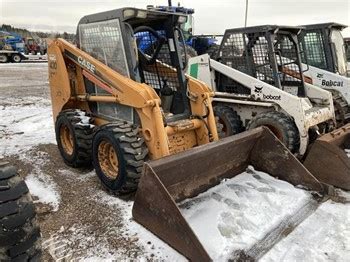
[[74, 133], [16, 58], [3, 58], [281, 125], [227, 120], [118, 156], [19, 230]]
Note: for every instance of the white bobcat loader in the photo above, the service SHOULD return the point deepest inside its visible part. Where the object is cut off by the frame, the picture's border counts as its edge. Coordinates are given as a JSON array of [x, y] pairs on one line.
[[325, 65], [254, 86]]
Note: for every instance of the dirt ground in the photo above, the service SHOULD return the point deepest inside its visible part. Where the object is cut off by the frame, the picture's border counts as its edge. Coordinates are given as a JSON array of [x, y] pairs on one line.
[[84, 222], [80, 221]]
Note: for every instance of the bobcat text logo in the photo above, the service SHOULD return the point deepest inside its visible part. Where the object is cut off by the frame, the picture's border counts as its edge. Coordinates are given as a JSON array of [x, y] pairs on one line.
[[331, 83], [319, 75], [86, 64], [258, 89], [271, 97]]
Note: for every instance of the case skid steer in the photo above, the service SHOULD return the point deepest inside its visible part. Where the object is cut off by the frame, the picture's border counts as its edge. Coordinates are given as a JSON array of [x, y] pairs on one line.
[[325, 64], [256, 86], [145, 125]]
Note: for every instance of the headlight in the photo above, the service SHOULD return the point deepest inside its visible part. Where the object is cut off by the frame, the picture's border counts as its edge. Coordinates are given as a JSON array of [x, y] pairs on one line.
[[141, 14], [182, 19], [128, 13]]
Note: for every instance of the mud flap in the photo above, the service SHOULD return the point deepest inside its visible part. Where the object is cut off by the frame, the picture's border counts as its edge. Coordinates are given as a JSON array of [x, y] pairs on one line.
[[327, 159], [172, 179]]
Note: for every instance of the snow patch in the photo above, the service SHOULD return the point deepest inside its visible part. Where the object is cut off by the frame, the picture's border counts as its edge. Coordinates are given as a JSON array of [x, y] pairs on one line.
[[324, 236], [24, 124], [347, 151], [76, 175], [151, 244], [43, 187], [240, 211]]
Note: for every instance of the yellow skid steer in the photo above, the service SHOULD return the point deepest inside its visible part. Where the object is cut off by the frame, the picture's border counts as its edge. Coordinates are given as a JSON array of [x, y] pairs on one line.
[[122, 102]]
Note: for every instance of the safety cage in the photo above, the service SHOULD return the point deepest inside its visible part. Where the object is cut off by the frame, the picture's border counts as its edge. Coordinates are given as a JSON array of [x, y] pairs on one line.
[[155, 58], [268, 53], [324, 47]]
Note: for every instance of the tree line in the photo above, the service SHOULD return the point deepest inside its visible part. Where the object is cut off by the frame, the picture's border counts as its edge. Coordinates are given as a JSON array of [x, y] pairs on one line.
[[27, 33]]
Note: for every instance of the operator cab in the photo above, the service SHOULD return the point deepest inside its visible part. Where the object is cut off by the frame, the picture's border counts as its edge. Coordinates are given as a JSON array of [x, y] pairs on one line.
[[143, 45], [269, 53], [324, 46]]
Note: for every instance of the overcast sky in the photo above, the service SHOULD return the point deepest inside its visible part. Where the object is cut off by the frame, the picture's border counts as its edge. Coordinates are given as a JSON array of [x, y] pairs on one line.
[[211, 17]]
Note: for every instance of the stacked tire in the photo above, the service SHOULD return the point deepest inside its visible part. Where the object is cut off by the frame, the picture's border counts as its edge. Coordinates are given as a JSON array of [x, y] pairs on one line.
[[19, 230]]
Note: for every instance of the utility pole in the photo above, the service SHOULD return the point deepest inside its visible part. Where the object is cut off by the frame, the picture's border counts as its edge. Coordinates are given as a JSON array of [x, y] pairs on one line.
[[246, 13]]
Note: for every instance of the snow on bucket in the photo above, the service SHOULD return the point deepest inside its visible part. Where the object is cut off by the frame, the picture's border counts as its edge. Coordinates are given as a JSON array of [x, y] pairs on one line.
[[168, 183]]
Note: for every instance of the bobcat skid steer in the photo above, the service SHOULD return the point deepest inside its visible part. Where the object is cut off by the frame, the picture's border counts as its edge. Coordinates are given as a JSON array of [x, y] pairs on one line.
[[325, 64], [254, 86], [147, 126]]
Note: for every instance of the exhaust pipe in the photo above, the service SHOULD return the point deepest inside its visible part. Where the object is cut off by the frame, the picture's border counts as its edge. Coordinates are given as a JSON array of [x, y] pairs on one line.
[[172, 179], [327, 159]]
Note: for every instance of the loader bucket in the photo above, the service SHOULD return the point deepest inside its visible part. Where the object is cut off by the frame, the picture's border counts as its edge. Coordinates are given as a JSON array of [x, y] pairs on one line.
[[172, 179], [327, 159]]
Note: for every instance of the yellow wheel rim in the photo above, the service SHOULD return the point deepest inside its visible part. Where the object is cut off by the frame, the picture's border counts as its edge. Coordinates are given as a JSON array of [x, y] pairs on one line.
[[108, 159], [67, 140]]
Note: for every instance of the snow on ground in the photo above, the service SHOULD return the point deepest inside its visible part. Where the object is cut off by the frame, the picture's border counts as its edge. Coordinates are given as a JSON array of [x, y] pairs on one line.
[[233, 215], [150, 243], [44, 188], [240, 211], [25, 123], [42, 185], [347, 151], [324, 236]]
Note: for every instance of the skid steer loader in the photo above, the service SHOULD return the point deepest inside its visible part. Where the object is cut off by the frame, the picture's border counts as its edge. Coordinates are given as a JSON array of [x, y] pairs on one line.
[[325, 65], [255, 86], [145, 125]]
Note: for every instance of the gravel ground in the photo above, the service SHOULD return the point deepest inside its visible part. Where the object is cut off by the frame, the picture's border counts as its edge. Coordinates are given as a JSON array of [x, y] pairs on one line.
[[81, 222], [78, 219]]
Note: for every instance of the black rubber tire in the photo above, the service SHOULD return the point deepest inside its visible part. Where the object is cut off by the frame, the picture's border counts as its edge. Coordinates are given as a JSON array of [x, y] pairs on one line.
[[229, 120], [131, 153], [19, 231], [82, 137], [213, 50], [281, 125], [4, 58], [341, 108], [16, 58]]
